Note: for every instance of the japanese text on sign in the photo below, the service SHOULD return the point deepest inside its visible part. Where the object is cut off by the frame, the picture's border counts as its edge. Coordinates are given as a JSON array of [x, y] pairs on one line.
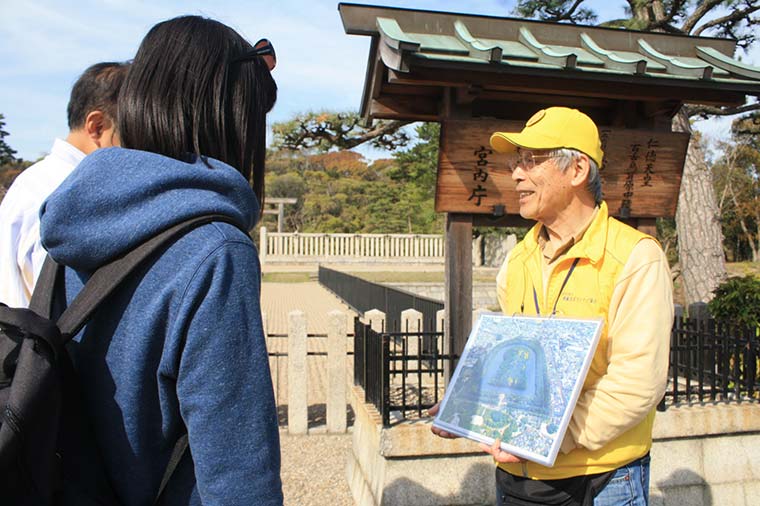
[[480, 175], [633, 158], [650, 158]]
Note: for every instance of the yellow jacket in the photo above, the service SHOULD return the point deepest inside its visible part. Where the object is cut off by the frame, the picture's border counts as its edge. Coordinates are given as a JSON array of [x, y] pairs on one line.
[[622, 276]]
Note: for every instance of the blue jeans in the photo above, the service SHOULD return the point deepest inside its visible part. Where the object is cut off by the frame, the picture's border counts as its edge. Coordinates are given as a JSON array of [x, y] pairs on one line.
[[629, 486]]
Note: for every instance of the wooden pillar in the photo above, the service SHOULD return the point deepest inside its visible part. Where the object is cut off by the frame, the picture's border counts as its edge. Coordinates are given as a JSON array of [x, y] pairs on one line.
[[458, 289]]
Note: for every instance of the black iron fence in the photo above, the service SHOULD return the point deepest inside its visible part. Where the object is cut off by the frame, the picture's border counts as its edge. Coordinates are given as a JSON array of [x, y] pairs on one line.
[[712, 361], [363, 295], [402, 373]]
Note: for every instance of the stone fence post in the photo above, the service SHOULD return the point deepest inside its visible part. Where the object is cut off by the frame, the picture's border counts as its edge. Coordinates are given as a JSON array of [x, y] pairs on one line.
[[476, 314], [411, 321], [699, 311], [376, 319], [262, 243], [297, 374], [336, 372]]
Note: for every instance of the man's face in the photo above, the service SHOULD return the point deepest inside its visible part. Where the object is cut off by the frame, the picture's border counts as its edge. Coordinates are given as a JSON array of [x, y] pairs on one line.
[[544, 190]]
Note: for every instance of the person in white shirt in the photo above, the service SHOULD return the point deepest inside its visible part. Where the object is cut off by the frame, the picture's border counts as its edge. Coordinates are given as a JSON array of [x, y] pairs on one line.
[[92, 120]]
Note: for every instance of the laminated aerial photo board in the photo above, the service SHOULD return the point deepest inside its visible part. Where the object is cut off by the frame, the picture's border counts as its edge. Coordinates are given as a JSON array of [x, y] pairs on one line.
[[518, 380]]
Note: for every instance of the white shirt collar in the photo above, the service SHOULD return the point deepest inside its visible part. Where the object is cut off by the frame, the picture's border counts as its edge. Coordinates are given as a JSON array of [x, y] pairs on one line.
[[66, 152]]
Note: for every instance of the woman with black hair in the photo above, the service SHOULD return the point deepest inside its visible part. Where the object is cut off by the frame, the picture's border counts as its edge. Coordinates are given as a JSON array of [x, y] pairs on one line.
[[180, 347]]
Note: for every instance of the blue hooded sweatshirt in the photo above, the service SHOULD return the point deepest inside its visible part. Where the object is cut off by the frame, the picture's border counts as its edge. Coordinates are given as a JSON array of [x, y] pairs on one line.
[[180, 345]]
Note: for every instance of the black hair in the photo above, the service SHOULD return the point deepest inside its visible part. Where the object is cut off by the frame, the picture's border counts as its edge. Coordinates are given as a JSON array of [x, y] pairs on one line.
[[185, 96], [97, 89]]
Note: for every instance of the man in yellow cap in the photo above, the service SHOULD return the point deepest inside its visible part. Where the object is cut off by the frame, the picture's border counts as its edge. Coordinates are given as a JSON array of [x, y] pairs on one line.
[[577, 261]]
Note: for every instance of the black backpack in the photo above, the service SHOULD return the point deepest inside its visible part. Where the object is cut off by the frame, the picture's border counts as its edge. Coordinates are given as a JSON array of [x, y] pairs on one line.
[[42, 419]]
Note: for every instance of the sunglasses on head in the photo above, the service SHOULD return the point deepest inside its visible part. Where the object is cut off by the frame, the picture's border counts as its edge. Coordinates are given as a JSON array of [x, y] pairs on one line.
[[264, 49]]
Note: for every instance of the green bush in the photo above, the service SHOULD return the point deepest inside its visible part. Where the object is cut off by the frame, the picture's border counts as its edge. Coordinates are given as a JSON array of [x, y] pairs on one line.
[[738, 300]]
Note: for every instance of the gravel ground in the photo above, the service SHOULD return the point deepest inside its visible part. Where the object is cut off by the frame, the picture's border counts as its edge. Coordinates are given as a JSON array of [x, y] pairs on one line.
[[314, 469]]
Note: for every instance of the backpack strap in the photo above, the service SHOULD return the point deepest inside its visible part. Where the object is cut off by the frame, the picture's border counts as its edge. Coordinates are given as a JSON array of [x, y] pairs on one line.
[[109, 276], [177, 453], [49, 285]]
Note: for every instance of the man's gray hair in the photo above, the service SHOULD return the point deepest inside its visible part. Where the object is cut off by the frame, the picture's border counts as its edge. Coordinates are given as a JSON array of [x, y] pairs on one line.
[[565, 157]]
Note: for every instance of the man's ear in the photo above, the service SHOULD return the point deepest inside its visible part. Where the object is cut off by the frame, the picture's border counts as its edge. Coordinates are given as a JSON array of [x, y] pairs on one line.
[[580, 170], [98, 126]]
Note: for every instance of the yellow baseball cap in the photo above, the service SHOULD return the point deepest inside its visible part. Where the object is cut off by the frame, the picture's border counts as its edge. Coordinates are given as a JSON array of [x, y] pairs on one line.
[[554, 128]]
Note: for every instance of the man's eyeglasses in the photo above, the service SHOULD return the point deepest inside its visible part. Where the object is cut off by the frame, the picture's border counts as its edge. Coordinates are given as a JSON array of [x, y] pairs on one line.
[[263, 49], [526, 160]]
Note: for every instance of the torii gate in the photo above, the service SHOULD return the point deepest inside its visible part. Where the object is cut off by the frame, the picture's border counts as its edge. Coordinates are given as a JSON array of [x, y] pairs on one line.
[[280, 211]]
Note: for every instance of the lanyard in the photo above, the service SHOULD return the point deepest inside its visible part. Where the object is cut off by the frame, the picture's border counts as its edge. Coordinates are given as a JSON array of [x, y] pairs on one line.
[[554, 310]]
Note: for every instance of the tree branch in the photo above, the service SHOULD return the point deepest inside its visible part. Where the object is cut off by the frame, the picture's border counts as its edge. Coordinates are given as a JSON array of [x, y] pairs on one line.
[[706, 110], [700, 12], [568, 14], [664, 21], [729, 20], [376, 133]]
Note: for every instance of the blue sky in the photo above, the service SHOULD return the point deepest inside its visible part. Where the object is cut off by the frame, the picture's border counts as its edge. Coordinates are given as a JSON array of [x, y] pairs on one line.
[[45, 45]]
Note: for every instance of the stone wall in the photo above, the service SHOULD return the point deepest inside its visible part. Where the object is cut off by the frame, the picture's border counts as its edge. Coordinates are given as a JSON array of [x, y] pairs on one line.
[[408, 465], [483, 294], [701, 456], [490, 251], [706, 456]]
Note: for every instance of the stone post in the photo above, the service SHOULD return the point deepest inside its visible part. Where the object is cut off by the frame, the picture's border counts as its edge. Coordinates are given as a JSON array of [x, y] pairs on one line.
[[336, 372], [262, 244], [477, 251], [476, 315], [376, 319], [411, 321], [297, 374], [699, 311]]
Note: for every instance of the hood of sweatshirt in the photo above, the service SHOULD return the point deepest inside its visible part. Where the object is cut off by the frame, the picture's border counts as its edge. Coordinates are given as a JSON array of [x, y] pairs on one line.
[[117, 198]]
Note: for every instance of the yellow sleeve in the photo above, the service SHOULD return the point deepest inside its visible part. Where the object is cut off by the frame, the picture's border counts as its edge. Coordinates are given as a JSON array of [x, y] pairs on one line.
[[640, 319]]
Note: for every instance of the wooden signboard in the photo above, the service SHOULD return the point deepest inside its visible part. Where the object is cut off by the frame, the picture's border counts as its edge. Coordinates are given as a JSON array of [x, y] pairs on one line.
[[641, 172]]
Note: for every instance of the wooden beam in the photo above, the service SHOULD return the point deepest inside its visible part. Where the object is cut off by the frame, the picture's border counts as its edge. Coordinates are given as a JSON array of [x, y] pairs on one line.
[[458, 296], [646, 88], [406, 89], [492, 97], [523, 88], [403, 107], [372, 79]]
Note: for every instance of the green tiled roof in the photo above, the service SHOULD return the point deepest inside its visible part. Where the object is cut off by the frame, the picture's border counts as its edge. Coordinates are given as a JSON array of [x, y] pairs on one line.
[[463, 50]]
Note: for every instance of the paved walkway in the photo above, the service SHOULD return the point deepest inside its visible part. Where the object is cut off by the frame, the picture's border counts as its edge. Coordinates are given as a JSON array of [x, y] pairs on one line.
[[279, 299]]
